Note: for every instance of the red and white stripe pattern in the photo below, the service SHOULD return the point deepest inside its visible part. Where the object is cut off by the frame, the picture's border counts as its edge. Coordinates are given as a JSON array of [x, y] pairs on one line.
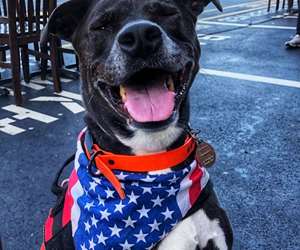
[[191, 187], [75, 190]]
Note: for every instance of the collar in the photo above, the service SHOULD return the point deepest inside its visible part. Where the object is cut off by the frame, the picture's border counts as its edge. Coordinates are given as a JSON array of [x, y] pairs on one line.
[[103, 163]]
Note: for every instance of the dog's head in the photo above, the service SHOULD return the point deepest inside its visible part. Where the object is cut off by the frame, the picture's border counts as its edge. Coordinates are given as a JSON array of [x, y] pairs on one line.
[[138, 59]]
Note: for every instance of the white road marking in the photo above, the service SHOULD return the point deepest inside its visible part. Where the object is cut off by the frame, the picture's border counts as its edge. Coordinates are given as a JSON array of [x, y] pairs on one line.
[[71, 95], [63, 79], [252, 78], [66, 79], [222, 23], [51, 99], [23, 113], [231, 13], [261, 26], [214, 37], [6, 127], [235, 6], [73, 107], [272, 27], [32, 85], [290, 17], [12, 93], [40, 81], [239, 18]]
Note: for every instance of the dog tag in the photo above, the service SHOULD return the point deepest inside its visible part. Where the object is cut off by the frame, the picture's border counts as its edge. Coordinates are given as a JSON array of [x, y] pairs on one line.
[[205, 154]]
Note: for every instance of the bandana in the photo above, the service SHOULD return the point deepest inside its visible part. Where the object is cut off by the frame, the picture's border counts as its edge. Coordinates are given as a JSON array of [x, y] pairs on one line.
[[154, 204]]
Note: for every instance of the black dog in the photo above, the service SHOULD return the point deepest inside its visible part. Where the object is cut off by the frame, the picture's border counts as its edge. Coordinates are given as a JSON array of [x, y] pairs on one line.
[[138, 59]]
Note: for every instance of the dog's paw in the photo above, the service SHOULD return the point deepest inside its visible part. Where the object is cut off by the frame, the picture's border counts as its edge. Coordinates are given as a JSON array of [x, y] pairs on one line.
[[183, 237]]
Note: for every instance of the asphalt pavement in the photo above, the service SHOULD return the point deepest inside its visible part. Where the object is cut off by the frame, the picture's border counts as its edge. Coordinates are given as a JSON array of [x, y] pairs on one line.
[[245, 102]]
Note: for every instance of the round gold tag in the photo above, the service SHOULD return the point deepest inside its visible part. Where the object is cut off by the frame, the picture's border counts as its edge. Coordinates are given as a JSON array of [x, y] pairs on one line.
[[205, 154]]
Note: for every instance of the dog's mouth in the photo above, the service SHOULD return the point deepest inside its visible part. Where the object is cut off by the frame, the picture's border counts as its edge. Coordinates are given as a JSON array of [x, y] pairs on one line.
[[149, 96]]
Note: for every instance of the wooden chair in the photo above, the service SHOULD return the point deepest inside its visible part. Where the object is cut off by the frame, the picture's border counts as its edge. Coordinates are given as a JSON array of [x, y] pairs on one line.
[[290, 4], [277, 4], [54, 52], [21, 22]]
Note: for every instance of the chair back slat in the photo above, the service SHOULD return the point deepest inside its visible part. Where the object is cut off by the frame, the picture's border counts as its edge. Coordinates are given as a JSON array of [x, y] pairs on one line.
[[3, 8], [38, 15], [21, 14], [29, 14], [45, 11]]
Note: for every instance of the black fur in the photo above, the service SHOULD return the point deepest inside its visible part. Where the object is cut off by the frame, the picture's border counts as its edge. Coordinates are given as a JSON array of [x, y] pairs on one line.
[[93, 26]]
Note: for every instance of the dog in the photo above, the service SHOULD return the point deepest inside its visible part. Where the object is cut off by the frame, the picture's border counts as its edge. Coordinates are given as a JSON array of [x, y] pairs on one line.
[[138, 60]]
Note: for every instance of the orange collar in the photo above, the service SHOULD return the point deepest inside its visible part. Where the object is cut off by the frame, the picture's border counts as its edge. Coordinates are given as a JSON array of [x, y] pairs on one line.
[[105, 162]]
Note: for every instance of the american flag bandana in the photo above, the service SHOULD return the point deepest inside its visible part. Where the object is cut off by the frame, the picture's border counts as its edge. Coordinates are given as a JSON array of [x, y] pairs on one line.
[[154, 204]]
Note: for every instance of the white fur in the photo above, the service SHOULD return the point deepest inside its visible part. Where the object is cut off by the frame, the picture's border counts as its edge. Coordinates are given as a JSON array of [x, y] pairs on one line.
[[147, 142], [196, 230]]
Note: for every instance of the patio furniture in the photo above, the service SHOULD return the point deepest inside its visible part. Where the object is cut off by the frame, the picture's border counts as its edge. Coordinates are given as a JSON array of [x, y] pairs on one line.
[[277, 4], [54, 51], [290, 4], [21, 22]]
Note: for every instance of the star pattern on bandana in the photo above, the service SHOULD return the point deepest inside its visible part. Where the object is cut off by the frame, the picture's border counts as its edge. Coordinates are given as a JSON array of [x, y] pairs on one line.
[[157, 201], [129, 222], [87, 226], [146, 215], [94, 221], [101, 239], [88, 205], [93, 186], [92, 244], [119, 207], [115, 230]]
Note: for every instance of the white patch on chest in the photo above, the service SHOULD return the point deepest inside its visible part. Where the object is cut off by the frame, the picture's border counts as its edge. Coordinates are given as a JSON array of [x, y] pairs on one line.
[[194, 231], [144, 142]]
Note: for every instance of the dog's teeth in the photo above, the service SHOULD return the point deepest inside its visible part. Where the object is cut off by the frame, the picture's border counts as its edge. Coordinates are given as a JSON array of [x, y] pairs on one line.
[[123, 93], [170, 84]]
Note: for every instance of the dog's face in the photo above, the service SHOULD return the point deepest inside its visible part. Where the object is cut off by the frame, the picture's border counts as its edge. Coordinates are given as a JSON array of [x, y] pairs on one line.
[[138, 59]]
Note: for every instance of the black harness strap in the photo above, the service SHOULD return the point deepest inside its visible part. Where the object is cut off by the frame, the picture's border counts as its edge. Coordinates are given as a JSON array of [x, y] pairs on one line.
[[61, 235]]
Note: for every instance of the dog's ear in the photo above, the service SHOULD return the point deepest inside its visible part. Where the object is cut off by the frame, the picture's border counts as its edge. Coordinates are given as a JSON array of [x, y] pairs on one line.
[[65, 19], [199, 5]]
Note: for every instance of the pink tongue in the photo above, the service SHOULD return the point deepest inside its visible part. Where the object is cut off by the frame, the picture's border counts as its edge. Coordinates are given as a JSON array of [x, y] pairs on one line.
[[150, 104]]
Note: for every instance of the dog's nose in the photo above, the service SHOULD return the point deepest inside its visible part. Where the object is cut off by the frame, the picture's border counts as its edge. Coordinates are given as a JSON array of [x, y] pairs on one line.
[[141, 39]]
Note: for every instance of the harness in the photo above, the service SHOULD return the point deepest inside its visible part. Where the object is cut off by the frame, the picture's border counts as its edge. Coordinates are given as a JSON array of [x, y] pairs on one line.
[[104, 167]]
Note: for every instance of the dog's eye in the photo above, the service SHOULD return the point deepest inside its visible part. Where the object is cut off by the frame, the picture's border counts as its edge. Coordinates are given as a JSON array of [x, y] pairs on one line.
[[169, 11], [103, 22], [162, 10]]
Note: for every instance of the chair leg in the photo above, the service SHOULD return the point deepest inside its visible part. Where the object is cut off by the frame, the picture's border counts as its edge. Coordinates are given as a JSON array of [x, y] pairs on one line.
[[3, 55], [3, 59], [15, 61], [36, 49], [44, 62], [25, 63], [277, 4], [269, 5], [290, 5], [55, 63], [61, 54], [77, 62]]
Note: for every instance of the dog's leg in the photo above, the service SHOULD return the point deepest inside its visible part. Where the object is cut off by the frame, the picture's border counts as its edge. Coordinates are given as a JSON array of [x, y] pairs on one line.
[[207, 229]]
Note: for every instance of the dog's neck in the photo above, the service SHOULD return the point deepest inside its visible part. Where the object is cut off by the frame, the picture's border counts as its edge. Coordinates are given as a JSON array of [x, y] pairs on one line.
[[139, 143]]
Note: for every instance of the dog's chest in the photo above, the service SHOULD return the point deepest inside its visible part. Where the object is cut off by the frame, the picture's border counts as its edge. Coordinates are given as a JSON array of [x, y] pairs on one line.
[[154, 204]]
